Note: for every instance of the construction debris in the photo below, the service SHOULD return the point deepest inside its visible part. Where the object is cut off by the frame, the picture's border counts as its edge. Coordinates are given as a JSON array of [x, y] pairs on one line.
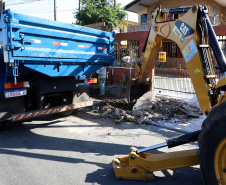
[[150, 109]]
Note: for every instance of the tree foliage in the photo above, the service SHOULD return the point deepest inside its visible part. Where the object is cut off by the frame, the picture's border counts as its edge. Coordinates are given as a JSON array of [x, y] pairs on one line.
[[94, 11]]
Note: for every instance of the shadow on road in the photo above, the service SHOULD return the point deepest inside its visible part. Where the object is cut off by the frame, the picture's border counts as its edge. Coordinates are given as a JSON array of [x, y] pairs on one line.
[[22, 137]]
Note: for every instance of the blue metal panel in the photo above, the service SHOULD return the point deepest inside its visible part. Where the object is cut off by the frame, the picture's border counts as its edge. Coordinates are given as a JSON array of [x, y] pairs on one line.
[[55, 71], [55, 48]]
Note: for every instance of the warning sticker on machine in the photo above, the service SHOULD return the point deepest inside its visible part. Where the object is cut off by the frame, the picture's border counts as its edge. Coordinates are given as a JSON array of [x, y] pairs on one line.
[[190, 50], [183, 30], [178, 34]]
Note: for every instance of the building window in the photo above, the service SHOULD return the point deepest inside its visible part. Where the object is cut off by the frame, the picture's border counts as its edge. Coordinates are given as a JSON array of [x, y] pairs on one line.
[[214, 10], [143, 18]]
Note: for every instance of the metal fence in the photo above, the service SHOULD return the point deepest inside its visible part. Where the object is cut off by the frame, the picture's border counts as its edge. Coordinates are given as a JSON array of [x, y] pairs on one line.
[[171, 75], [139, 27], [127, 53], [222, 43], [218, 19]]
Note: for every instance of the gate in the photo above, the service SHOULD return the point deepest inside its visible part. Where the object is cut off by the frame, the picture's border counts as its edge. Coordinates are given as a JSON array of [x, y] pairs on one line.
[[127, 53], [171, 75], [222, 43]]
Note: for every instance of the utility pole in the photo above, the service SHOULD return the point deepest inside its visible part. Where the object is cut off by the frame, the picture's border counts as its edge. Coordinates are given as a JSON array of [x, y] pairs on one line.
[[114, 3], [79, 5], [79, 9], [54, 10]]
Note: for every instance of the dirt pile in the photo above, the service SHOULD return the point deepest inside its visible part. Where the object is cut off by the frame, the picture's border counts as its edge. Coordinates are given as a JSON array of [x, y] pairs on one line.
[[162, 109]]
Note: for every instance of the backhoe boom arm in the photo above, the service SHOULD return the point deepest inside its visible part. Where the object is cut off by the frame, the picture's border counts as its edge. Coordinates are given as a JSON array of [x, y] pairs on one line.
[[195, 37]]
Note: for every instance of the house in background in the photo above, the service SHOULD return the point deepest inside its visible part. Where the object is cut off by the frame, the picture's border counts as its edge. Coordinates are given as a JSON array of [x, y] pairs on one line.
[[143, 8], [217, 14], [122, 27], [174, 66]]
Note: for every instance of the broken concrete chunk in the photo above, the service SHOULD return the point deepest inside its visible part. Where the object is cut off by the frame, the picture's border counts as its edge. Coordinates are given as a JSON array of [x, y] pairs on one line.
[[117, 112], [104, 114], [135, 111], [188, 112], [103, 109], [144, 102], [120, 120], [159, 118], [130, 118], [142, 120]]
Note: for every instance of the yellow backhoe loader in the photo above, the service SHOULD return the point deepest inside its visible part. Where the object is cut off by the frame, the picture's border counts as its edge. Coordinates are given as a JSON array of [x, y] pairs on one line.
[[191, 30]]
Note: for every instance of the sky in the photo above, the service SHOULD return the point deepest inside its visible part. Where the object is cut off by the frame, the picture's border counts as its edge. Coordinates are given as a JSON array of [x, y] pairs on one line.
[[44, 9]]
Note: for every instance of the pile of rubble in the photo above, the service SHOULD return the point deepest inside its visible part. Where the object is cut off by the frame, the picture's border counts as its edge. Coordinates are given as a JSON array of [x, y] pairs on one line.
[[161, 109], [150, 109]]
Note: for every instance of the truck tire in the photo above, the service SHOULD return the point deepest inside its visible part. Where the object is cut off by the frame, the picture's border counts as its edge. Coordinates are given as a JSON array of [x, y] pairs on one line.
[[1, 125], [7, 124], [212, 147], [69, 96]]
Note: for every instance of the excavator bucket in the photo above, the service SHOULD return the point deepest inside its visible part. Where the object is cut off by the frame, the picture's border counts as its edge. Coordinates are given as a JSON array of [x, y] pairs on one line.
[[135, 90]]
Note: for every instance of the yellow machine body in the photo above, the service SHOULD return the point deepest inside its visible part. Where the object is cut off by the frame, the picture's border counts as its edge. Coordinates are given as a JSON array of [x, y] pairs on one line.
[[141, 166]]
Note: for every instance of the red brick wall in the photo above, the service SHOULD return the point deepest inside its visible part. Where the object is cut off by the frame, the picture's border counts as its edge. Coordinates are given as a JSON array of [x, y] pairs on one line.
[[220, 30], [117, 74], [118, 71]]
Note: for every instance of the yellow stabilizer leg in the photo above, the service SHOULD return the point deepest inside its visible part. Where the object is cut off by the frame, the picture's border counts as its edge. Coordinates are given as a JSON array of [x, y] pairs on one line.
[[141, 166]]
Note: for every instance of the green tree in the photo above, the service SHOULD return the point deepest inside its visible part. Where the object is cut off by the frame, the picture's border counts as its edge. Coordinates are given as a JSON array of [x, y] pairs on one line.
[[94, 11]]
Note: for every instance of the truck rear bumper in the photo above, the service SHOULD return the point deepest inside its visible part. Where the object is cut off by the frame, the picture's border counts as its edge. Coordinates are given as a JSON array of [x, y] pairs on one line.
[[53, 110]]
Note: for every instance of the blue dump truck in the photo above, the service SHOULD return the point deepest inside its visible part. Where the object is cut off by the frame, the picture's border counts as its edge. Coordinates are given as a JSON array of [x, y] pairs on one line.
[[42, 63]]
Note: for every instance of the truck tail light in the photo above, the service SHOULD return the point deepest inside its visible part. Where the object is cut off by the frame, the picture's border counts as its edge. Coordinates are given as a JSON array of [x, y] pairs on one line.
[[11, 85], [91, 81]]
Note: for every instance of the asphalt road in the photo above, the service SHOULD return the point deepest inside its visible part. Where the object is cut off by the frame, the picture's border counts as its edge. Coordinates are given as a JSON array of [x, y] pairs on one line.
[[78, 150]]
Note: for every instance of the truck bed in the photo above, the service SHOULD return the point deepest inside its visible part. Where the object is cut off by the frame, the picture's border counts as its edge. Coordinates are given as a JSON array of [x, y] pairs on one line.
[[54, 48]]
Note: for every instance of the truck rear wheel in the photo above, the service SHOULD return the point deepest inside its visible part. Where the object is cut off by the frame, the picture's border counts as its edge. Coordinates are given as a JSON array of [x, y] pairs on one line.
[[68, 99], [7, 124], [212, 147]]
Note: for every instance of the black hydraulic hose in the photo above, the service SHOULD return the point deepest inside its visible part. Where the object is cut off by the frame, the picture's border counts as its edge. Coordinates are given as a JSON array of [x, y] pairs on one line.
[[145, 44], [177, 10], [215, 47], [213, 40], [175, 141], [183, 139]]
